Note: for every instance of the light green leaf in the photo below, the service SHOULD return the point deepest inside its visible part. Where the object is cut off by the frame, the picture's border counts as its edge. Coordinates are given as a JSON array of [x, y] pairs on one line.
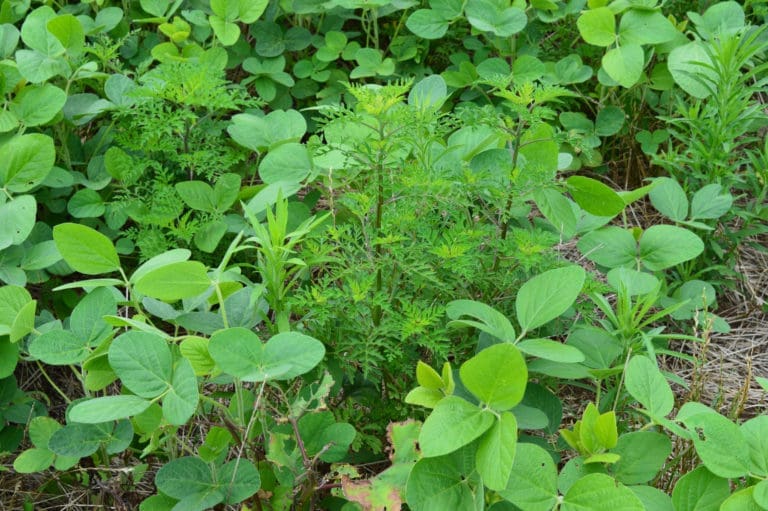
[[195, 349], [496, 452], [599, 492], [594, 197], [78, 440], [143, 362], [664, 246], [645, 27], [288, 162], [59, 347], [490, 321], [453, 424], [690, 66], [533, 482], [557, 209], [197, 195], [226, 31], [610, 246], [25, 161], [239, 352], [446, 482], [642, 456], [742, 500], [180, 403], [700, 490], [645, 383], [36, 105], [497, 376], [86, 250], [171, 256], [547, 296], [710, 202], [551, 350], [669, 198], [174, 281], [86, 203], [427, 24], [633, 282], [262, 133], [68, 30], [719, 443], [597, 26], [17, 218], [428, 377], [33, 460], [105, 409], [625, 64], [185, 476], [495, 16], [755, 432]]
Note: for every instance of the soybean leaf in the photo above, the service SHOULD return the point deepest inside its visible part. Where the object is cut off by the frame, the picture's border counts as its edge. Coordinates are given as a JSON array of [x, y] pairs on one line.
[[321, 433], [719, 442], [288, 162], [669, 198], [610, 246], [59, 347], [240, 479], [547, 296], [594, 197], [105, 409], [597, 26], [85, 250], [174, 281], [755, 432], [239, 352], [78, 440], [625, 64], [710, 202], [632, 281], [599, 492], [533, 482], [742, 500], [33, 460], [642, 455], [700, 490], [496, 452], [143, 362], [453, 424], [664, 246], [427, 24], [645, 383], [497, 376], [495, 16], [25, 161], [551, 350], [180, 403], [262, 133], [17, 219], [490, 321], [87, 320], [171, 256], [36, 105], [446, 482], [184, 476]]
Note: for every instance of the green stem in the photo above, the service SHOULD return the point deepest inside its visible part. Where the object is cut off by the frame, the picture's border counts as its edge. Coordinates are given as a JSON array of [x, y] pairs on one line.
[[51, 382]]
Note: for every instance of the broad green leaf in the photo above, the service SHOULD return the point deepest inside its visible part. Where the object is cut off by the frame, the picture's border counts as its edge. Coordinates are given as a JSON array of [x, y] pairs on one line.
[[691, 68], [25, 161], [78, 440], [225, 191], [609, 121], [643, 454], [174, 281], [12, 301], [184, 476], [195, 349], [664, 246], [428, 377], [422, 396], [700, 490], [547, 296], [321, 433], [86, 250], [557, 209], [86, 203], [87, 320], [634, 282], [761, 494], [429, 93], [742, 500], [453, 424], [599, 347], [105, 409], [490, 321], [143, 362], [669, 198], [721, 19], [35, 34], [645, 383], [240, 479], [288, 162], [239, 352], [262, 133], [180, 403], [427, 24], [226, 31], [533, 482], [68, 30], [41, 429], [496, 17], [446, 482], [496, 452], [496, 376], [17, 219], [24, 322], [176, 255], [625, 64], [645, 27], [599, 492], [610, 246], [719, 443], [551, 350], [9, 356], [594, 197], [197, 195], [653, 498], [710, 202], [598, 26], [755, 432], [59, 347], [43, 255], [36, 105], [33, 460]]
